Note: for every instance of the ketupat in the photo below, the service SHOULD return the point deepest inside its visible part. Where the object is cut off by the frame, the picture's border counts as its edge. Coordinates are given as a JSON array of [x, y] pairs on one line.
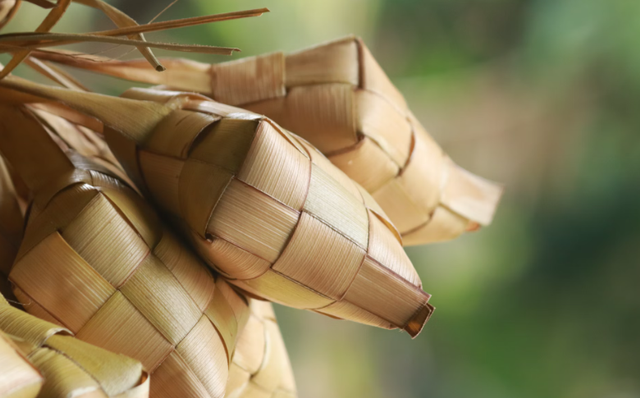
[[260, 362], [68, 366], [96, 260], [337, 97], [262, 206]]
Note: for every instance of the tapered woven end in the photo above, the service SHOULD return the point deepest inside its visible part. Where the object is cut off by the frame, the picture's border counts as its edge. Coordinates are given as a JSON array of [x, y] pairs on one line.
[[271, 213], [416, 324], [336, 96]]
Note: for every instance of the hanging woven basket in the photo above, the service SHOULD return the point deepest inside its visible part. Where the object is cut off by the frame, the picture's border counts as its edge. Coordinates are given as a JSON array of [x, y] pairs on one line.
[[60, 365], [337, 97], [96, 260]]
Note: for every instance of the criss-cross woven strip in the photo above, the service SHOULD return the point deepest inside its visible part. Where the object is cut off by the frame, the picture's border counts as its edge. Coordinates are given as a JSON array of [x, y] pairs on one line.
[[261, 205], [70, 367], [261, 366], [270, 212], [10, 227], [96, 260], [337, 97], [260, 362]]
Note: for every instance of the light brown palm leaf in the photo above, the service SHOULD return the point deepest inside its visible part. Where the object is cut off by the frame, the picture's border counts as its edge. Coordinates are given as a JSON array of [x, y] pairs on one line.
[[68, 366], [261, 205], [96, 259], [260, 362]]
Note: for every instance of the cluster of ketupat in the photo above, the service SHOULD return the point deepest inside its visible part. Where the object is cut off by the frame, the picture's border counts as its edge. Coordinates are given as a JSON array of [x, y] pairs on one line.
[[148, 232]]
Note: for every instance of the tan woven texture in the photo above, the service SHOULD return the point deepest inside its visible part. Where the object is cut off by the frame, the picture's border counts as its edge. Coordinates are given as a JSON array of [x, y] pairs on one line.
[[261, 366], [69, 367], [271, 213], [337, 97], [96, 260]]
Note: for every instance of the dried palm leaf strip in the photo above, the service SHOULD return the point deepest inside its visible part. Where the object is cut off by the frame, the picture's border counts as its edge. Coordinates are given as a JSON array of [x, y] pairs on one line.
[[261, 366], [8, 9], [23, 43], [46, 4], [10, 227], [121, 20], [24, 38], [96, 259], [49, 22], [69, 366], [261, 206], [336, 96], [18, 377], [11, 43], [54, 73]]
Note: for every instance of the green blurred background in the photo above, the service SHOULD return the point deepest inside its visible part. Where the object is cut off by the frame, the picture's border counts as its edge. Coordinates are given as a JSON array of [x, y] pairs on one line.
[[542, 95]]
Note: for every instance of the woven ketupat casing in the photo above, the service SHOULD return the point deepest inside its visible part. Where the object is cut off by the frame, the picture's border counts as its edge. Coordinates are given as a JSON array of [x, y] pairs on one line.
[[70, 367], [261, 366], [260, 363], [270, 212], [96, 260], [337, 97]]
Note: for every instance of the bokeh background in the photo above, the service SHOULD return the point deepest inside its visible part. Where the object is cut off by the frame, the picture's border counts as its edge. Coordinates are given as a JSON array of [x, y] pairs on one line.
[[543, 95]]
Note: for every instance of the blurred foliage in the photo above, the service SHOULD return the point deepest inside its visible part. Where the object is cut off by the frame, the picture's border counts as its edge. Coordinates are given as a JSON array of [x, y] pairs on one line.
[[539, 94]]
